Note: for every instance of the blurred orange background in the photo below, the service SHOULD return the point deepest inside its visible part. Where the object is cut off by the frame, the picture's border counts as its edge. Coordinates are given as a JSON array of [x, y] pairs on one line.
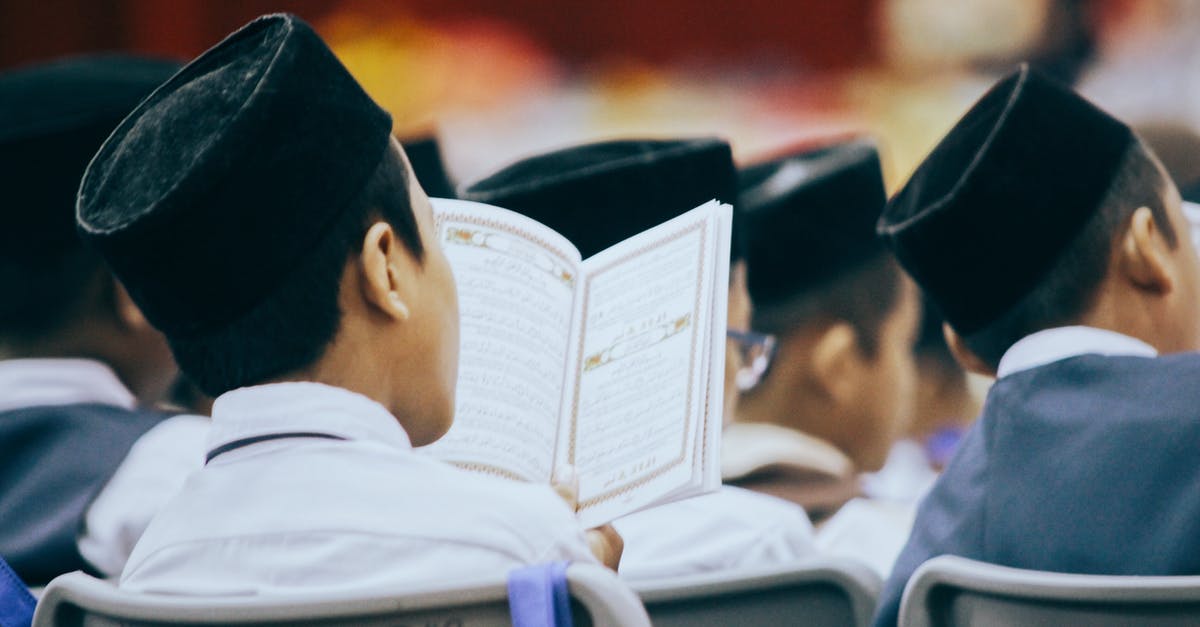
[[500, 80]]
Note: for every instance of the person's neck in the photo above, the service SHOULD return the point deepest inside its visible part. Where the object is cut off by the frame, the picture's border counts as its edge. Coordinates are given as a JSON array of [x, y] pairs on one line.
[[1121, 309], [1134, 328], [784, 404], [760, 405], [335, 368], [944, 399]]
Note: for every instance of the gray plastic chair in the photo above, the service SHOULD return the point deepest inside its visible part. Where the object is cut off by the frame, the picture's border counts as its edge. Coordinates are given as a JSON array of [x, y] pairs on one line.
[[817, 592], [598, 599], [950, 590]]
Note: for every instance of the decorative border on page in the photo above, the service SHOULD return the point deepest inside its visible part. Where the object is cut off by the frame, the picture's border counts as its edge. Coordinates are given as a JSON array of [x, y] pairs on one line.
[[465, 237], [638, 342], [489, 469], [666, 466], [441, 218]]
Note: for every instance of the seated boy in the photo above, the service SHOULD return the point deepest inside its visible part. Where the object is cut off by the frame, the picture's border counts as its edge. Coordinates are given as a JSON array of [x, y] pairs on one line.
[[258, 210], [598, 195], [1053, 242], [840, 388], [84, 468]]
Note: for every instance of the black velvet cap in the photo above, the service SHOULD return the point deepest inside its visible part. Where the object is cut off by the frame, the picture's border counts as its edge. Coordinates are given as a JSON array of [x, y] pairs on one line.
[[425, 157], [810, 218], [599, 194], [988, 212], [220, 182], [53, 118]]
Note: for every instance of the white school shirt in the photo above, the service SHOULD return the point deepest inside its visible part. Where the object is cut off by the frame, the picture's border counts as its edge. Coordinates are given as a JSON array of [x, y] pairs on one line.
[[906, 475], [1051, 345], [312, 513], [727, 529], [747, 447], [151, 472], [870, 530]]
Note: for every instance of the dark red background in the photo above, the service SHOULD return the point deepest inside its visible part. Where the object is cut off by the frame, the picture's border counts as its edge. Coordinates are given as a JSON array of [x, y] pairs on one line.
[[813, 34]]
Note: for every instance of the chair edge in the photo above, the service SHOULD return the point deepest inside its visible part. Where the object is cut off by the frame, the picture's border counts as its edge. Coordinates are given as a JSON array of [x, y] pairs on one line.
[[861, 584], [1005, 581]]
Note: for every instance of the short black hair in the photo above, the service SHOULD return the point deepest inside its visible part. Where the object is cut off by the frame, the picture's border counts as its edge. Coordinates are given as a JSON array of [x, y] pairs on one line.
[[864, 296], [44, 292], [1070, 287], [292, 327]]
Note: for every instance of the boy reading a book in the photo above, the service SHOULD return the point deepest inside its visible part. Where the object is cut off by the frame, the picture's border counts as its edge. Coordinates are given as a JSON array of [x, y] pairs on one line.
[[598, 195], [258, 210], [84, 466], [1053, 241]]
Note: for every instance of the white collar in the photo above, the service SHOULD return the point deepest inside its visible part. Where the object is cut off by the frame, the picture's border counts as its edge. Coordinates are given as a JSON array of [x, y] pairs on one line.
[[52, 382], [749, 446], [302, 407], [1052, 345]]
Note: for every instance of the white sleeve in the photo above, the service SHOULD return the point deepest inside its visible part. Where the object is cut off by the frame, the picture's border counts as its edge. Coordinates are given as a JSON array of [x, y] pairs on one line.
[[567, 539], [728, 529], [872, 531], [152, 472]]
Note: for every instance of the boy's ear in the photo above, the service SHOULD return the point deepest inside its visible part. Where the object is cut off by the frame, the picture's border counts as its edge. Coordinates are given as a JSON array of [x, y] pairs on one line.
[[838, 361], [964, 355], [383, 265], [1143, 254]]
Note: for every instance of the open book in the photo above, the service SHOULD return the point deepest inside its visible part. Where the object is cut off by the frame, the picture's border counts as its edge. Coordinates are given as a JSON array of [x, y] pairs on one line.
[[614, 364]]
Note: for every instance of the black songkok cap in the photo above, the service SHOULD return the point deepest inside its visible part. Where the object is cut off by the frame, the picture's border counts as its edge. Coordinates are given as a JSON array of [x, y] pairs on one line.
[[425, 156], [223, 179], [53, 118], [810, 218], [597, 195], [988, 212]]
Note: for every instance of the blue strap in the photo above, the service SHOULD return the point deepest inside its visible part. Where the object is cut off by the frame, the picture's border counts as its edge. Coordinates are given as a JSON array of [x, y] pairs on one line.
[[538, 596], [16, 604]]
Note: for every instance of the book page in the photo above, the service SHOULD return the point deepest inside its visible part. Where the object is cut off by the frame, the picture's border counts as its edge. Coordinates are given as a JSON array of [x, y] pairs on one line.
[[516, 289], [709, 444], [643, 364]]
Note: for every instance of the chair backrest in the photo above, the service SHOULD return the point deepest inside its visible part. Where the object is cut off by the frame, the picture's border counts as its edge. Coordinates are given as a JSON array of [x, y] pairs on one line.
[[950, 590], [598, 598], [816, 592]]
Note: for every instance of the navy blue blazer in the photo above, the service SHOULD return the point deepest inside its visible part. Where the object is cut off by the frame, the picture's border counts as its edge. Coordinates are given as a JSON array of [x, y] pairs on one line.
[[54, 461], [1086, 465]]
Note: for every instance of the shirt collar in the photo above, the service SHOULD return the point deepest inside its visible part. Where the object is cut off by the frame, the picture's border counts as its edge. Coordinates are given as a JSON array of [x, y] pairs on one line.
[[1052, 345], [302, 407], [51, 382], [748, 446]]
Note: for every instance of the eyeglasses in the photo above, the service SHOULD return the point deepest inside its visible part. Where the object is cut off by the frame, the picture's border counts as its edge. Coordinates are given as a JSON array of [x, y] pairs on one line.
[[756, 350]]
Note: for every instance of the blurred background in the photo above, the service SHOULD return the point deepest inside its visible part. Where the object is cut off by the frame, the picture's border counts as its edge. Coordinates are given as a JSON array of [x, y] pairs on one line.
[[497, 80]]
